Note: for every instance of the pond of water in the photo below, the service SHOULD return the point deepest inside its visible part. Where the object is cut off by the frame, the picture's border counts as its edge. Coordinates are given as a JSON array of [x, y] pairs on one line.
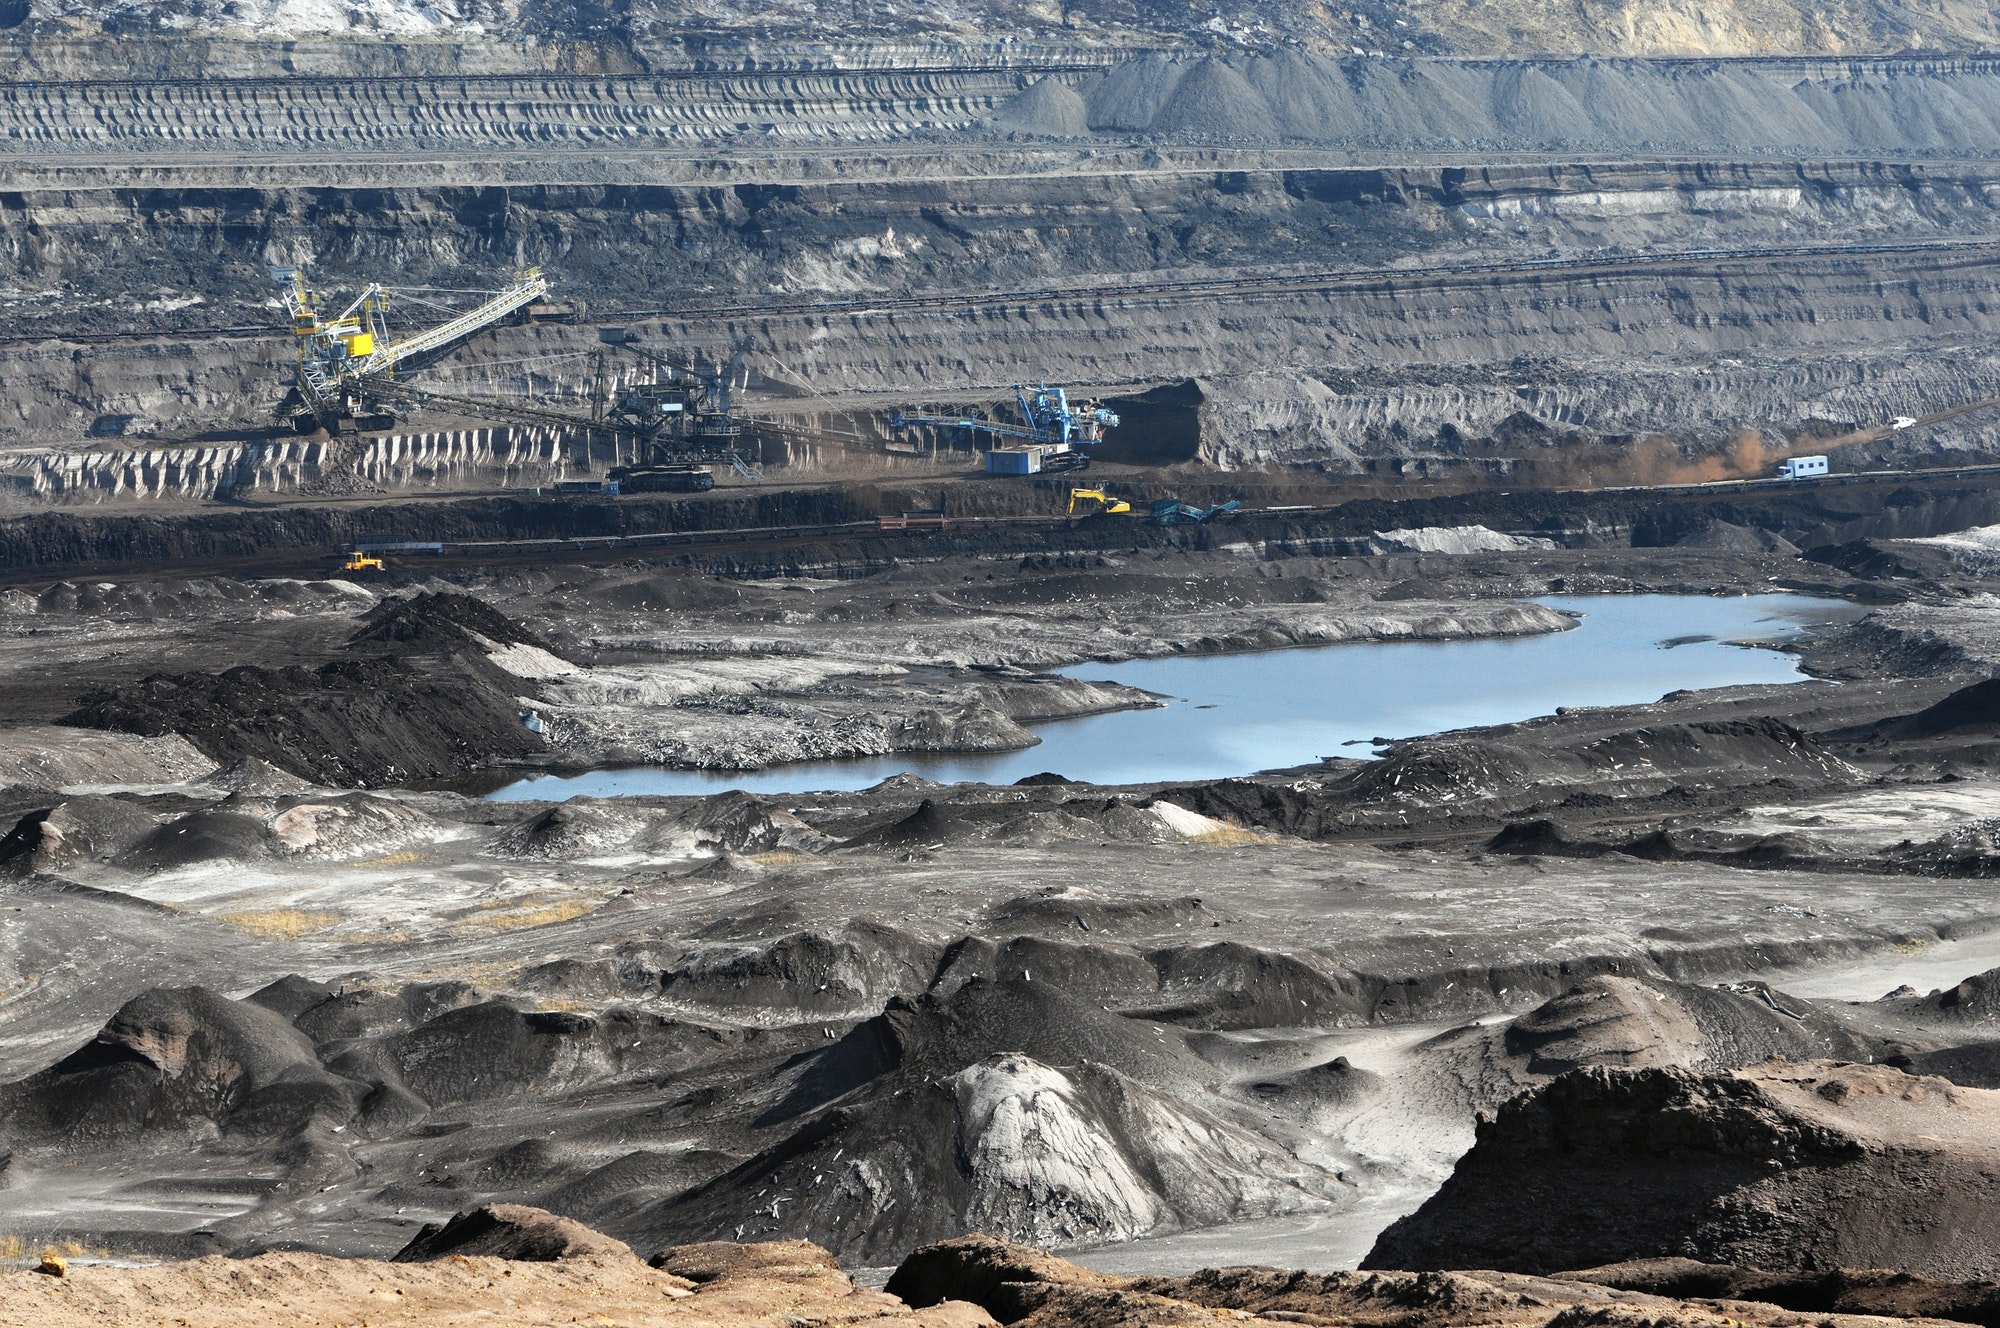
[[1237, 714]]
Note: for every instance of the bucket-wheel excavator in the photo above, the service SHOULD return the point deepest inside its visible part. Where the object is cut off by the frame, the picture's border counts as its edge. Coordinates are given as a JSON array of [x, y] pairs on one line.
[[345, 367]]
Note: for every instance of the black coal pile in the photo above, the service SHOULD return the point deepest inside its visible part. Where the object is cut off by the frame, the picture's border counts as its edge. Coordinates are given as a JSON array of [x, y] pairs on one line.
[[1785, 1166], [421, 701]]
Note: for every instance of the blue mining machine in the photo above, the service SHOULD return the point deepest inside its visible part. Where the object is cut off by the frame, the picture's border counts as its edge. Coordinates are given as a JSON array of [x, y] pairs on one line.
[[1047, 440]]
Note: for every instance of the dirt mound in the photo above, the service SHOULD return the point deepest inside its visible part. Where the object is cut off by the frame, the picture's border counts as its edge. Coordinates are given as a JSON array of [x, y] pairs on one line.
[[1315, 1094], [365, 1011], [936, 1036], [290, 996], [932, 823], [1719, 534], [1455, 539], [1653, 759], [1974, 709], [363, 721], [1975, 1000], [1081, 1154], [1230, 985], [817, 973], [574, 829], [736, 822], [1543, 838], [347, 826], [1784, 1166], [212, 835], [1049, 108], [79, 829], [1636, 1022], [250, 775], [441, 620], [509, 1231], [1839, 1291], [1211, 100], [169, 1058], [1129, 96], [1104, 974], [494, 1050]]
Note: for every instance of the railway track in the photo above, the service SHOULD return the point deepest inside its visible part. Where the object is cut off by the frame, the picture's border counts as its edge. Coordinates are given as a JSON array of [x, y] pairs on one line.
[[1208, 288], [774, 534], [20, 90]]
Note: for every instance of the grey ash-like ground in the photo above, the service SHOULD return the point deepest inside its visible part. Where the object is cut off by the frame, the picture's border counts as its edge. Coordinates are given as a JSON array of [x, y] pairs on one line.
[[270, 982]]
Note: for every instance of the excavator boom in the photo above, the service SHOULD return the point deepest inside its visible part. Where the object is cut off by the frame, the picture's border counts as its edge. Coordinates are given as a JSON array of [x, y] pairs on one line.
[[340, 360]]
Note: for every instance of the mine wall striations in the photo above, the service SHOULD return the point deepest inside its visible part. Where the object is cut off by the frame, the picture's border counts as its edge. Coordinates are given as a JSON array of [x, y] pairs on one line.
[[459, 458], [1373, 353], [1900, 107]]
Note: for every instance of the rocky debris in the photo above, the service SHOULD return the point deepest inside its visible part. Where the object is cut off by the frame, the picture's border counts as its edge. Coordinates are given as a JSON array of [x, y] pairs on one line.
[[1781, 1166], [509, 1231], [753, 1286], [1021, 1286], [1873, 1291]]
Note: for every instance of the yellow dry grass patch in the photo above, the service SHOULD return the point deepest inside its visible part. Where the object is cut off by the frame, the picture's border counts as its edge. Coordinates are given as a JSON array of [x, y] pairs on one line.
[[403, 859], [782, 857], [15, 1250], [1230, 836], [284, 924], [540, 915]]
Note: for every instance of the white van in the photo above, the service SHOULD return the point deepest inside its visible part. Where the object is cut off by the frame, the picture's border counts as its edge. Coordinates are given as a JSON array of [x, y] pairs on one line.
[[1799, 468]]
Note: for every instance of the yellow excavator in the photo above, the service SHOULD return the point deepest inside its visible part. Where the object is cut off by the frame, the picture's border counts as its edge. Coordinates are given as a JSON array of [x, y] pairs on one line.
[[1108, 503]]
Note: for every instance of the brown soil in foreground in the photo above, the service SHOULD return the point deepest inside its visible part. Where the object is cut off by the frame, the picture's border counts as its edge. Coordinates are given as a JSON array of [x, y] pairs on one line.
[[972, 1282], [790, 1283]]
